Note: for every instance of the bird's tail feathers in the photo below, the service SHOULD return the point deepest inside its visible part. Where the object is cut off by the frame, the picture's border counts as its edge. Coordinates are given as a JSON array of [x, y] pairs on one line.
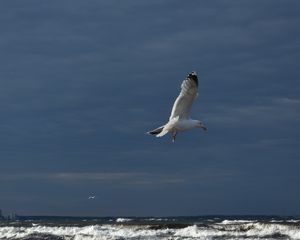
[[168, 127]]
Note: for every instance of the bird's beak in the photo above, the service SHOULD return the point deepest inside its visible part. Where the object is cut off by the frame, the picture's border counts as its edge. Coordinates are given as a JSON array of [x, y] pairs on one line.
[[204, 128]]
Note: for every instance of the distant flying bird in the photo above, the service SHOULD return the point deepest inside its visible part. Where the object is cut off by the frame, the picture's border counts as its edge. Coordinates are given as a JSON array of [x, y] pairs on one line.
[[92, 197], [180, 116]]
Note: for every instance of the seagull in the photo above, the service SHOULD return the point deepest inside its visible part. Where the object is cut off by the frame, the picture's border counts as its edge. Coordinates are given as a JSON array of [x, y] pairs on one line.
[[180, 116]]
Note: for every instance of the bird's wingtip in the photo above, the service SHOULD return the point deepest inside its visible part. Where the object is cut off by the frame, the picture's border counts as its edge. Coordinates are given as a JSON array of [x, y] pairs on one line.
[[193, 75]]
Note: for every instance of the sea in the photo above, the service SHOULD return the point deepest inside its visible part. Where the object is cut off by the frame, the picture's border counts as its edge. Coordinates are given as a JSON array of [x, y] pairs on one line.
[[139, 228]]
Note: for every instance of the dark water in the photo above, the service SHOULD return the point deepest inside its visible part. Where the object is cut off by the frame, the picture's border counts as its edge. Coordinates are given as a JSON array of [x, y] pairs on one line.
[[179, 228]]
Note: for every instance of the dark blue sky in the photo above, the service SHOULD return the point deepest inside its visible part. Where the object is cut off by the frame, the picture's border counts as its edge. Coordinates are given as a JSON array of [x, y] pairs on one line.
[[82, 81]]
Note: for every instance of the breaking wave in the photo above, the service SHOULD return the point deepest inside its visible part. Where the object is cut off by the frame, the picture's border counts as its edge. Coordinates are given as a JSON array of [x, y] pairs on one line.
[[222, 230], [121, 220]]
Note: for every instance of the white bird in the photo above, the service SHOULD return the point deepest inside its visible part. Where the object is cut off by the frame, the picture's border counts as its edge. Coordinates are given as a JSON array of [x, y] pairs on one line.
[[91, 197], [180, 116]]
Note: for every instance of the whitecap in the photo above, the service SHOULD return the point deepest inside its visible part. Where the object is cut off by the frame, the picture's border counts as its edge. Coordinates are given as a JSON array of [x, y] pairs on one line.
[[120, 220], [247, 230], [236, 221], [118, 231], [293, 221]]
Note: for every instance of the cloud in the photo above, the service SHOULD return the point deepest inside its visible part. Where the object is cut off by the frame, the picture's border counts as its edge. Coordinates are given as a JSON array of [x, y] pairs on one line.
[[122, 178], [201, 177]]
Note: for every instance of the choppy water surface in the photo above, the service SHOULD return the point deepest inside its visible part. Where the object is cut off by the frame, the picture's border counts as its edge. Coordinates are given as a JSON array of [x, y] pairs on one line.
[[210, 227]]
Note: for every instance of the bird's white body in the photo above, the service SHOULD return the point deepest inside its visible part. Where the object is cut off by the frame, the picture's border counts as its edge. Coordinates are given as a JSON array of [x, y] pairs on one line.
[[186, 124], [178, 125], [180, 116]]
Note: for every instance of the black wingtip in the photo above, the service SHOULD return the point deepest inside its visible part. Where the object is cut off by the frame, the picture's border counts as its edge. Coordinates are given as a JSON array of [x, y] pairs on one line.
[[193, 76]]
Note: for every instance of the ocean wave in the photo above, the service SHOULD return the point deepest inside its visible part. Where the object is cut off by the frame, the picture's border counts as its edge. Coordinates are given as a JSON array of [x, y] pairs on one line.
[[277, 221], [116, 231], [158, 219], [293, 221], [121, 220], [236, 221], [247, 230], [285, 221], [83, 233]]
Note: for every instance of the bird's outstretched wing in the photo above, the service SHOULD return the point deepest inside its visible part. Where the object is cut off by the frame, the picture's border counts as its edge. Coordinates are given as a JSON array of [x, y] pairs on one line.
[[189, 92]]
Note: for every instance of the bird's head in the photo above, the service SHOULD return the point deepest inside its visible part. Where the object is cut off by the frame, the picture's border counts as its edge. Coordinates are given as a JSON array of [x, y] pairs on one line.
[[201, 125]]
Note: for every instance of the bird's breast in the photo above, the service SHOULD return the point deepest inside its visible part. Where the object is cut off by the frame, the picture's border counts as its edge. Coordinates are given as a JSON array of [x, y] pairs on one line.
[[183, 125]]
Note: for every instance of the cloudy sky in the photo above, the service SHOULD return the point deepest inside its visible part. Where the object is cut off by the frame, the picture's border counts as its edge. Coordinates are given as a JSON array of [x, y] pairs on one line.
[[82, 81]]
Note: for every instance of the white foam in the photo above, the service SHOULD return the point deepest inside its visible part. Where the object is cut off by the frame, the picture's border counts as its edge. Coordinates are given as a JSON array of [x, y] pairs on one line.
[[260, 229], [120, 220], [158, 219], [276, 221], [293, 221], [113, 232], [78, 233], [288, 221], [236, 221], [251, 230]]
